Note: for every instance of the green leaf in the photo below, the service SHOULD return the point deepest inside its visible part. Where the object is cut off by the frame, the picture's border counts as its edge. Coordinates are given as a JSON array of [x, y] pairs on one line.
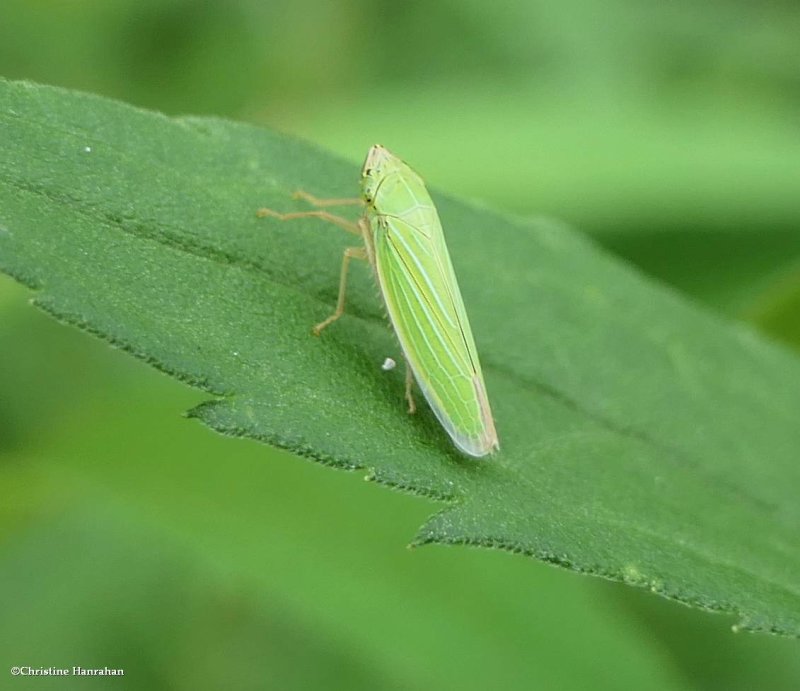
[[266, 559], [643, 439], [275, 564]]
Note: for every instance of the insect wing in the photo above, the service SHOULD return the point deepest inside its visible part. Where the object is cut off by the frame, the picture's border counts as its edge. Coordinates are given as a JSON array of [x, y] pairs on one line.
[[425, 306]]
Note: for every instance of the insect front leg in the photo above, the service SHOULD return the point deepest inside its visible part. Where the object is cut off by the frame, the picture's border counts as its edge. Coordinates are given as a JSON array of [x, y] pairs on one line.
[[316, 201], [349, 253], [346, 224]]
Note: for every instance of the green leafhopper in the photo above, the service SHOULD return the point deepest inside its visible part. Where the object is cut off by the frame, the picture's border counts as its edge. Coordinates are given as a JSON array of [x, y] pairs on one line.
[[404, 244]]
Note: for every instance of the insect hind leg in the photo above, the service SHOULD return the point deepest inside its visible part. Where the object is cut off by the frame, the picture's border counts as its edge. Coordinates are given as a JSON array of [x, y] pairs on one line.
[[412, 406]]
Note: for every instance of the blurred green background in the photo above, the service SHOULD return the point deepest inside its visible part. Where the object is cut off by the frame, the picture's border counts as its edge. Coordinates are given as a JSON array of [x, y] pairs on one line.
[[133, 538]]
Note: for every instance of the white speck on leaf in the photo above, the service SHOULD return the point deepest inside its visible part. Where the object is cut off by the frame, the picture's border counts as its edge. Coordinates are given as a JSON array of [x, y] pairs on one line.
[[388, 364]]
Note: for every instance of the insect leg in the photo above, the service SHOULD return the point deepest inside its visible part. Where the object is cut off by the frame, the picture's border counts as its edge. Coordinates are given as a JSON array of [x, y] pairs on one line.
[[412, 407], [316, 201], [344, 223], [349, 253]]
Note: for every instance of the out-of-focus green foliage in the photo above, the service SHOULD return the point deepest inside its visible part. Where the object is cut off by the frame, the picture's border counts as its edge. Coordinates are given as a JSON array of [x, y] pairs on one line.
[[667, 130]]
